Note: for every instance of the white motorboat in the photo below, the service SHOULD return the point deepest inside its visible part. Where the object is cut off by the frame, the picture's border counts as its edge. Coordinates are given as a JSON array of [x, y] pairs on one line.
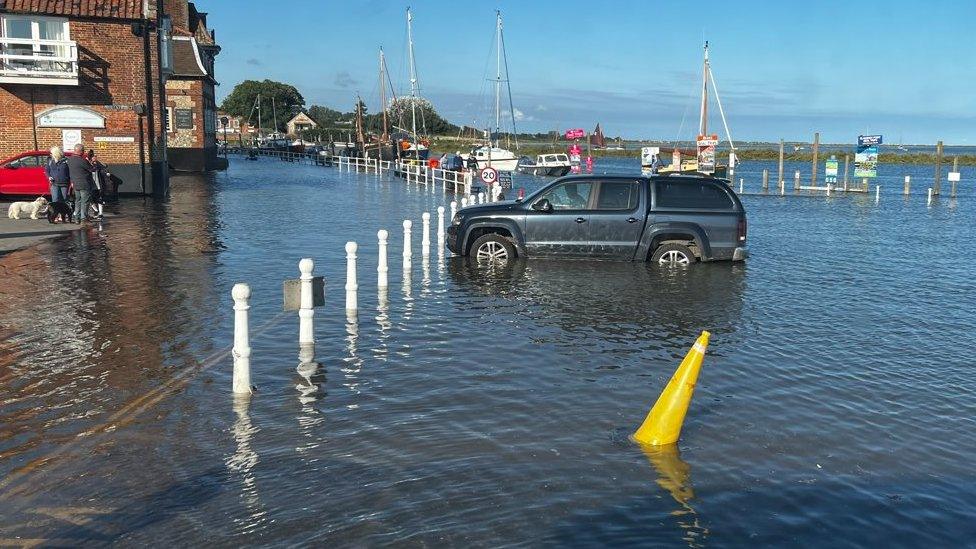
[[549, 165], [501, 159]]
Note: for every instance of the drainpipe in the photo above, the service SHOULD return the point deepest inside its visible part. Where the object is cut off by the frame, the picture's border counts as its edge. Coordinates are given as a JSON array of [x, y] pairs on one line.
[[33, 118], [162, 96], [150, 103]]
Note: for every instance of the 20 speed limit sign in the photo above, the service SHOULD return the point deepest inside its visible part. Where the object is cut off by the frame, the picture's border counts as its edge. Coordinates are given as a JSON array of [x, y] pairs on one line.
[[489, 175]]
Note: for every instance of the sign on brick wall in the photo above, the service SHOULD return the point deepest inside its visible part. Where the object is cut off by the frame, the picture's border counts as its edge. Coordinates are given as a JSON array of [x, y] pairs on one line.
[[184, 119], [70, 117]]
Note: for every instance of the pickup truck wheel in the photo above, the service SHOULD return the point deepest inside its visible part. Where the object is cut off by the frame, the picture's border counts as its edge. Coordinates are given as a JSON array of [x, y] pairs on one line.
[[673, 254], [492, 248]]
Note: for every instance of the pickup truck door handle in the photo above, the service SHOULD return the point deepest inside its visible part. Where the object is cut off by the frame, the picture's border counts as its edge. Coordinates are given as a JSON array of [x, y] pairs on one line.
[[581, 220], [632, 220]]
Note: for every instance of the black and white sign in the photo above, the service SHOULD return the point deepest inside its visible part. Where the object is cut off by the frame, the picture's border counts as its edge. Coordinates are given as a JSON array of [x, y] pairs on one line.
[[184, 119]]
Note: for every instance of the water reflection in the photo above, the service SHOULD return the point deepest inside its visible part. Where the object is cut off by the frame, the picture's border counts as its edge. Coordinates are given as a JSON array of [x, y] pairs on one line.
[[241, 464], [618, 299], [674, 475], [353, 362]]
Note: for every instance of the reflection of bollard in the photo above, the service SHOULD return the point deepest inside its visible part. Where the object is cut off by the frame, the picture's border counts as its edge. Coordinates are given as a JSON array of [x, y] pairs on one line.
[[440, 225], [453, 209], [381, 267], [352, 287], [305, 310], [242, 344], [407, 252], [425, 235], [663, 423]]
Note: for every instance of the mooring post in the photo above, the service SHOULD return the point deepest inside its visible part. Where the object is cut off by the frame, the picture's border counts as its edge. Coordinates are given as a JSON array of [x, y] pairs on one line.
[[847, 159], [425, 235], [955, 169], [453, 210], [440, 225], [929, 202], [782, 187], [796, 180], [381, 266], [242, 345], [866, 186], [305, 310], [816, 157], [780, 179], [877, 193], [742, 183], [765, 180], [937, 187], [407, 252], [908, 184], [352, 287]]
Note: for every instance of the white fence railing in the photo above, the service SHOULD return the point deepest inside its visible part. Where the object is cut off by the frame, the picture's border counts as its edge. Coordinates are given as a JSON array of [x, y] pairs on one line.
[[24, 59], [449, 180]]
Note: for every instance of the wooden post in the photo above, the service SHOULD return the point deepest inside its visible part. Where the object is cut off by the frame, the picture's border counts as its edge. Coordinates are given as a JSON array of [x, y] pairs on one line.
[[955, 168], [796, 180], [816, 157], [908, 184], [847, 160], [765, 180], [781, 180], [937, 187]]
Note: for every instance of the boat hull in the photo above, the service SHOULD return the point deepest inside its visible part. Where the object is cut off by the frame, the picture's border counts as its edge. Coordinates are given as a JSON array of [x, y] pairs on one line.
[[545, 171], [500, 164]]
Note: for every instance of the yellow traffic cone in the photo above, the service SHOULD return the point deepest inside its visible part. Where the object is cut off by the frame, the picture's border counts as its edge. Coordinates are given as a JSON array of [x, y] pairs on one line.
[[663, 423]]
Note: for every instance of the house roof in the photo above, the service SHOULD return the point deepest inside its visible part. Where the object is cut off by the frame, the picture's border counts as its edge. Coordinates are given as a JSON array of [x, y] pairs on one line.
[[302, 117], [186, 59], [116, 9]]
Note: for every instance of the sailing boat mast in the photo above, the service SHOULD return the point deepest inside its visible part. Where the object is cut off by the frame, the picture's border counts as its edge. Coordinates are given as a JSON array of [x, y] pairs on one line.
[[359, 121], [386, 133], [413, 77], [498, 73], [274, 114], [703, 119]]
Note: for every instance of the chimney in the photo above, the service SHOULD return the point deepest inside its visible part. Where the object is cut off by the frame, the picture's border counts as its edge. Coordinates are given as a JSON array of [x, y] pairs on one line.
[[179, 12]]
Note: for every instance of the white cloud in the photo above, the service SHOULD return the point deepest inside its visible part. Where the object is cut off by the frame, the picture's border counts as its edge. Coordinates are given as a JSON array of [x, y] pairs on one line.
[[521, 117]]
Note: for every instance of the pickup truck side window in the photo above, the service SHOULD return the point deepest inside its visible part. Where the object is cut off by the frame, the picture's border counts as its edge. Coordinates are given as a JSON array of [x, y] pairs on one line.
[[618, 195], [572, 195], [692, 195]]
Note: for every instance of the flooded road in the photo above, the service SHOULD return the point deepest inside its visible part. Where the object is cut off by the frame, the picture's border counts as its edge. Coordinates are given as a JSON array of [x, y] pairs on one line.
[[478, 407]]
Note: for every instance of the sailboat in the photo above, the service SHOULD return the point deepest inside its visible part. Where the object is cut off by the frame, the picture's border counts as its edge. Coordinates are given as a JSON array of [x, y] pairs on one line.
[[597, 139], [412, 146], [491, 154], [382, 147], [704, 160]]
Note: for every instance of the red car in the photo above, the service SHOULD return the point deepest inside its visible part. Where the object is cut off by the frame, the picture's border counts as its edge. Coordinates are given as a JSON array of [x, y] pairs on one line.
[[24, 175]]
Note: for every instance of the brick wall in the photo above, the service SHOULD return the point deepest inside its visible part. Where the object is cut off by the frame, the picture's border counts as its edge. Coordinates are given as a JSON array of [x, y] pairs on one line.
[[112, 79]]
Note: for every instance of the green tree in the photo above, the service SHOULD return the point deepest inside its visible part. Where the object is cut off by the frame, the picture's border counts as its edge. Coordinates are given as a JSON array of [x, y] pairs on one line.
[[401, 115], [277, 98]]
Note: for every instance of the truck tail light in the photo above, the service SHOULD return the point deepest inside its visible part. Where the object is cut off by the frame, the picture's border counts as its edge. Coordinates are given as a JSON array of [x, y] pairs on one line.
[[741, 231]]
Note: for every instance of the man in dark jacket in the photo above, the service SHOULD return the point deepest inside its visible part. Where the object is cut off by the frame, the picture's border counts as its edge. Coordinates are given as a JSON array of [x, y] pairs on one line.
[[80, 173]]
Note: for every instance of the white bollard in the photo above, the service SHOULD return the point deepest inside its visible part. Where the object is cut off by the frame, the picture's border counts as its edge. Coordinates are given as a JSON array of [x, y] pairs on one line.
[[782, 187], [481, 198], [908, 184], [352, 287], [828, 189], [407, 252], [930, 197], [453, 210], [440, 225], [425, 237], [305, 310], [464, 203], [381, 267], [877, 193], [242, 344], [742, 183]]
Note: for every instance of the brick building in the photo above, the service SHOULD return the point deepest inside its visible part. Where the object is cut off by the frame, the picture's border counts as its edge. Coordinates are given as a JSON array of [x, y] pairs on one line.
[[91, 71], [299, 123]]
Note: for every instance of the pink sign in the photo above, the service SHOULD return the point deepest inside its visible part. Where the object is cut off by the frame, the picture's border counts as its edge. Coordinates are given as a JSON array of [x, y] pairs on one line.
[[575, 150], [575, 134]]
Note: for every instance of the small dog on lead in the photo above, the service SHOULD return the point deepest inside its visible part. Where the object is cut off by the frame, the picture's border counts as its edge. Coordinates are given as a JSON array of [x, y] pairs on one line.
[[61, 210], [33, 209]]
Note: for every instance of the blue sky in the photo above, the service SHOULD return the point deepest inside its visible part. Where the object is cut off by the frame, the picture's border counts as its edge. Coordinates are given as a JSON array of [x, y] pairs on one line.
[[905, 69]]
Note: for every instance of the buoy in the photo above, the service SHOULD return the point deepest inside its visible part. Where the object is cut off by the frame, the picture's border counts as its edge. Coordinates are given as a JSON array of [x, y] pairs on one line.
[[663, 423]]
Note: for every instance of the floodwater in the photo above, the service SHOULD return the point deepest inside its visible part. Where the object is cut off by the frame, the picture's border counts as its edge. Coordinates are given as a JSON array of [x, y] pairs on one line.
[[476, 407]]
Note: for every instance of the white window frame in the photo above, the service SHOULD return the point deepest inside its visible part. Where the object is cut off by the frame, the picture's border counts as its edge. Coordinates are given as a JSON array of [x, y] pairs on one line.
[[35, 21]]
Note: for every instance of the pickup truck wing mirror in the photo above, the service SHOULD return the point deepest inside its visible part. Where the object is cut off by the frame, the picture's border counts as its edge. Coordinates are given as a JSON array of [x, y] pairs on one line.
[[543, 205]]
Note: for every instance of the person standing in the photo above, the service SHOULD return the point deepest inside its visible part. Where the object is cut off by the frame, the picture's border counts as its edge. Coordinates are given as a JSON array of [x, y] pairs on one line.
[[80, 174], [101, 179], [57, 175]]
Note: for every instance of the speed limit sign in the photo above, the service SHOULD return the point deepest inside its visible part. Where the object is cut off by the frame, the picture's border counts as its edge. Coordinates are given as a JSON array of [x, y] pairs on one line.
[[489, 175]]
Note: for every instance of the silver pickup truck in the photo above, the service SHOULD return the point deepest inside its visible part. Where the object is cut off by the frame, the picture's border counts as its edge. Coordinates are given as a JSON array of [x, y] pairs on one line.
[[665, 219]]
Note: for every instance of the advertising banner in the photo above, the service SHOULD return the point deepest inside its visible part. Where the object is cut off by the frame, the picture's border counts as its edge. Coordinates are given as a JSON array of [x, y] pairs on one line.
[[831, 170], [706, 153], [866, 156]]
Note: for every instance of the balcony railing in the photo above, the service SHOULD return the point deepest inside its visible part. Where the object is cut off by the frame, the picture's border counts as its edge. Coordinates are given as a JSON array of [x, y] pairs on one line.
[[28, 61]]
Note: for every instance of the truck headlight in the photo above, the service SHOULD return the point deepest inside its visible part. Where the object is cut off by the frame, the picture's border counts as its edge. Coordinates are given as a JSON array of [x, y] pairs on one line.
[[456, 220]]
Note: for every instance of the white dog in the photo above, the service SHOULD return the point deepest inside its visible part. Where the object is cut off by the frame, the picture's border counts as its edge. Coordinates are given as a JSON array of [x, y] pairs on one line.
[[35, 208]]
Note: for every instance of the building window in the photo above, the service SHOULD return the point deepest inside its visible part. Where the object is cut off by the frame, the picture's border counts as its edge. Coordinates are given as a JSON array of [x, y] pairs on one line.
[[35, 44]]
